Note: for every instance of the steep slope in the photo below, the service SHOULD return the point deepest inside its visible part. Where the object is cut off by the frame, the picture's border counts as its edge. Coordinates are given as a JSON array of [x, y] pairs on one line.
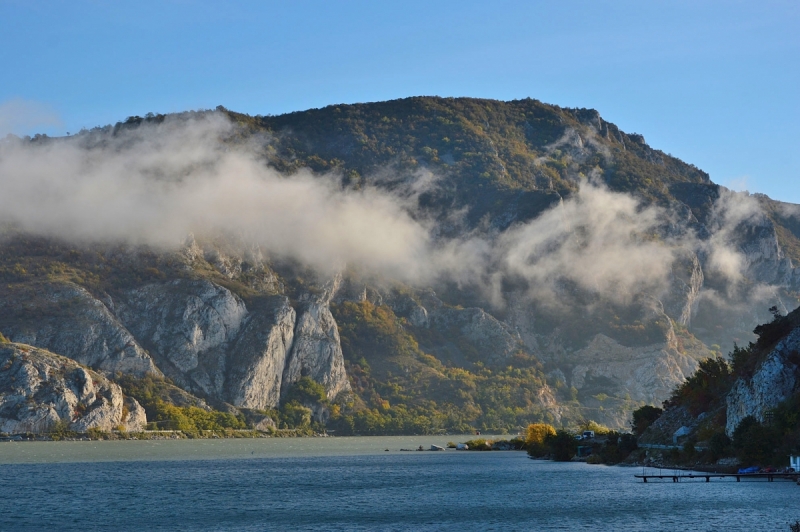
[[565, 254], [745, 409]]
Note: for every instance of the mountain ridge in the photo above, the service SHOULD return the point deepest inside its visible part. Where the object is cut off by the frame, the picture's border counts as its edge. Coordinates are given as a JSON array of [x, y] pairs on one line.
[[561, 317]]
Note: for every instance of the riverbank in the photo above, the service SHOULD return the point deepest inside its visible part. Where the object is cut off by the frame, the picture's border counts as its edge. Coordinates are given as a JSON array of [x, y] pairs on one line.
[[96, 435], [33, 451]]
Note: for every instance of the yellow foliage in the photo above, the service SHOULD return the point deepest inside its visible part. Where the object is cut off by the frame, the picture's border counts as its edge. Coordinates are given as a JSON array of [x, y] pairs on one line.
[[537, 432]]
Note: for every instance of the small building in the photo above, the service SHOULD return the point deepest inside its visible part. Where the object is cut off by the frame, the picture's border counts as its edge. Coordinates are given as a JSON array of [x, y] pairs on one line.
[[682, 432], [584, 450], [794, 461]]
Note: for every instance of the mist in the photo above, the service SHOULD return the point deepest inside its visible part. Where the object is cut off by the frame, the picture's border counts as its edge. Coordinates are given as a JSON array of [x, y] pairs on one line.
[[155, 184]]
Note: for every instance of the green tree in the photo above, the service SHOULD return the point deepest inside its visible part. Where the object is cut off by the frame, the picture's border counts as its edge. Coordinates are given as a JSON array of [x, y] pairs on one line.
[[644, 417], [306, 391], [562, 445]]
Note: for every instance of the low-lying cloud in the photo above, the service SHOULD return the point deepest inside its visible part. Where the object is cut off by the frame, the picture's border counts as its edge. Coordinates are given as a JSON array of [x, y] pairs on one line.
[[156, 184]]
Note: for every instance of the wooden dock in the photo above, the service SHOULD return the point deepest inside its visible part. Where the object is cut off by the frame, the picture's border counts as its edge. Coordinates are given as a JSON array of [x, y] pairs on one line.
[[679, 476]]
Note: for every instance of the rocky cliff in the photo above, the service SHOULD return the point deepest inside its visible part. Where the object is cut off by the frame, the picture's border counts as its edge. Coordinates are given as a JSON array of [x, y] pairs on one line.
[[66, 319], [40, 391], [202, 335], [776, 380], [209, 341], [316, 350]]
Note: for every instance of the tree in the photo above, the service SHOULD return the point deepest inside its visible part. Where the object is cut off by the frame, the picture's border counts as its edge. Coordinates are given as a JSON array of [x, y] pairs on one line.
[[644, 417], [536, 436], [718, 445], [755, 443], [562, 445], [306, 391]]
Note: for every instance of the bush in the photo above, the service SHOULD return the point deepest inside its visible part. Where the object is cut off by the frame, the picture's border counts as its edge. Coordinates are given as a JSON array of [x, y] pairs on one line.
[[644, 417], [295, 415], [307, 391], [535, 438], [718, 445], [562, 445], [479, 444], [615, 449]]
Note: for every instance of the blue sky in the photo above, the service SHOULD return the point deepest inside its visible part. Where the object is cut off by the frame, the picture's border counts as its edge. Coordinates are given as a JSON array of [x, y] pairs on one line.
[[714, 83]]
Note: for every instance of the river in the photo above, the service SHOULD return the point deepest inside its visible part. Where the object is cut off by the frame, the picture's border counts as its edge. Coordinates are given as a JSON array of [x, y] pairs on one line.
[[354, 484]]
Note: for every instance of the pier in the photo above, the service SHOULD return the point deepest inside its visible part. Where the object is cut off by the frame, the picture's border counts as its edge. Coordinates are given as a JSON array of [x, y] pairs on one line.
[[678, 476]]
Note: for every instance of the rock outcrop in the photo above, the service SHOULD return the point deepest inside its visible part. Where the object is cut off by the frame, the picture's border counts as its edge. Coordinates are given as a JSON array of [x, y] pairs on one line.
[[40, 391], [65, 318], [646, 373], [490, 339], [316, 350], [775, 380], [187, 326], [257, 358]]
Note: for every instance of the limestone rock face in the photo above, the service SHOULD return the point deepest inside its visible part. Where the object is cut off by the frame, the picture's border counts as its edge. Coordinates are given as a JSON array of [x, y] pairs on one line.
[[647, 373], [187, 325], [316, 351], [209, 342], [494, 340], [199, 333], [686, 281], [257, 358], [774, 381], [39, 389], [70, 321], [407, 307], [763, 256]]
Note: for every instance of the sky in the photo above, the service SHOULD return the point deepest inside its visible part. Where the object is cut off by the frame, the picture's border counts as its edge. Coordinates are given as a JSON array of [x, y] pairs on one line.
[[715, 83]]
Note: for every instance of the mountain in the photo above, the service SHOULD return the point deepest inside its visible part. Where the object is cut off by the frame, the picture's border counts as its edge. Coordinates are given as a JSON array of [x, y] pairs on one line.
[[745, 409], [415, 265]]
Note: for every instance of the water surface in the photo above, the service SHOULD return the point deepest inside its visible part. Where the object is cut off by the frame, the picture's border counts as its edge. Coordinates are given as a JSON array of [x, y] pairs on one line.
[[352, 484]]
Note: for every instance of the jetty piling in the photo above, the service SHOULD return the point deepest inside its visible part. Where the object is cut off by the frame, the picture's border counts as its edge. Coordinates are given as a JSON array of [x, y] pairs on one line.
[[675, 477]]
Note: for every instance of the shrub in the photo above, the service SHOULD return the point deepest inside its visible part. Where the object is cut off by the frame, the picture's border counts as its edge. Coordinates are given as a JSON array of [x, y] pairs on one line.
[[562, 445], [535, 438], [718, 445], [479, 444], [295, 415], [306, 391], [644, 417]]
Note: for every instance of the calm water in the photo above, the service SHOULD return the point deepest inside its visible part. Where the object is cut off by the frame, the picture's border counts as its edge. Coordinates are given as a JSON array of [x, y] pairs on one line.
[[353, 484]]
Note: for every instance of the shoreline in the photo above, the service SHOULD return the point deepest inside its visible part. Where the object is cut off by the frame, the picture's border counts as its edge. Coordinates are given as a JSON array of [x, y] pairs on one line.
[[159, 435]]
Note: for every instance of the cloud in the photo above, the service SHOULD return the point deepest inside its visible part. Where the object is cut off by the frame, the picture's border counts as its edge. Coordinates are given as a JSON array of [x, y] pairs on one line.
[[155, 184], [739, 184], [18, 116], [599, 241], [730, 211]]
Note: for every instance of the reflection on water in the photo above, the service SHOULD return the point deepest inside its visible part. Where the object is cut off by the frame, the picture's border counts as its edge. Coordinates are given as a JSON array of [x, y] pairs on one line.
[[352, 484]]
